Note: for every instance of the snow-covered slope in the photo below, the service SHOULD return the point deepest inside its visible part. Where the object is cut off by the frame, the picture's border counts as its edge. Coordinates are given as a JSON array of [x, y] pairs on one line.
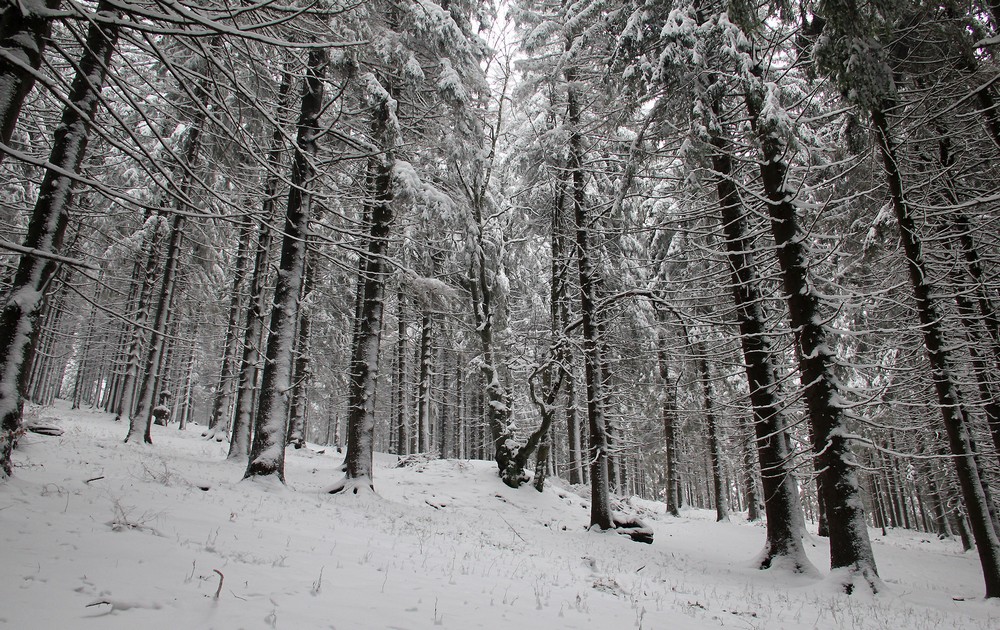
[[95, 533]]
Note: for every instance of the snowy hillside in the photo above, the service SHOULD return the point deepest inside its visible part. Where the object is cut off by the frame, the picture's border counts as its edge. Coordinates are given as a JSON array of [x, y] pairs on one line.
[[100, 534]]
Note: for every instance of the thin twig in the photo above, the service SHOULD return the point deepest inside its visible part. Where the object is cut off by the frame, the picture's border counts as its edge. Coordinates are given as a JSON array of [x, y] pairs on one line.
[[221, 578]]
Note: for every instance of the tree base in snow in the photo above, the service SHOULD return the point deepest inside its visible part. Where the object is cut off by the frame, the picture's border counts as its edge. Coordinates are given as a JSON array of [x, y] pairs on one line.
[[351, 485]]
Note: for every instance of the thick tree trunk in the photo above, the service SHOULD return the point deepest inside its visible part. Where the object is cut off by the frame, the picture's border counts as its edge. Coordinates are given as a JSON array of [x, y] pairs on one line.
[[267, 449], [837, 481], [24, 31], [781, 502], [952, 411], [373, 271], [47, 226], [239, 440]]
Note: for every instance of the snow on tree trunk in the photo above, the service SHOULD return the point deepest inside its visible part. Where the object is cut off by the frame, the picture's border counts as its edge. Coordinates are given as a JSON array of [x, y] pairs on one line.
[[141, 421], [373, 270], [239, 439], [267, 451], [401, 415], [953, 412], [837, 482], [781, 503], [190, 147], [137, 326], [218, 425], [47, 225], [424, 384], [24, 31], [600, 499]]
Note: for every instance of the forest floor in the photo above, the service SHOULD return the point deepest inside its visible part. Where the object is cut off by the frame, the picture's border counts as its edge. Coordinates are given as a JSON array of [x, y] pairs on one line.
[[95, 533]]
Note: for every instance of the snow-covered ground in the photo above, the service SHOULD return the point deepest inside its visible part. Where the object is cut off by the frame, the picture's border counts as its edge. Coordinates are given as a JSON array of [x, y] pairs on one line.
[[100, 534]]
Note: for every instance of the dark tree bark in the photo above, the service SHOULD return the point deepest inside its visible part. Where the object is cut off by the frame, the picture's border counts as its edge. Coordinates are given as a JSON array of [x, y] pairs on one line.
[[837, 481], [781, 502], [47, 226], [714, 444], [136, 330], [301, 374], [23, 36], [600, 499], [953, 412], [239, 440], [424, 382], [401, 416], [267, 450], [754, 504], [668, 412], [218, 422], [142, 419]]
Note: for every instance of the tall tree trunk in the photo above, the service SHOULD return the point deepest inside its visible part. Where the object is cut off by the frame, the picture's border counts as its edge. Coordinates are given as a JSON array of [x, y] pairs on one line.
[[714, 444], [301, 374], [141, 421], [754, 506], [47, 226], [668, 412], [24, 31], [239, 440], [424, 383], [218, 422], [267, 450], [600, 499], [837, 481], [402, 440], [781, 502], [136, 328], [374, 269], [952, 410]]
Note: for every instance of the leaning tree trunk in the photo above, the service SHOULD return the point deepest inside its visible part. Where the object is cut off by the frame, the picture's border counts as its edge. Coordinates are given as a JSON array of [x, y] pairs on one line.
[[24, 31], [267, 451], [239, 439], [837, 481], [781, 502], [48, 222], [949, 399]]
